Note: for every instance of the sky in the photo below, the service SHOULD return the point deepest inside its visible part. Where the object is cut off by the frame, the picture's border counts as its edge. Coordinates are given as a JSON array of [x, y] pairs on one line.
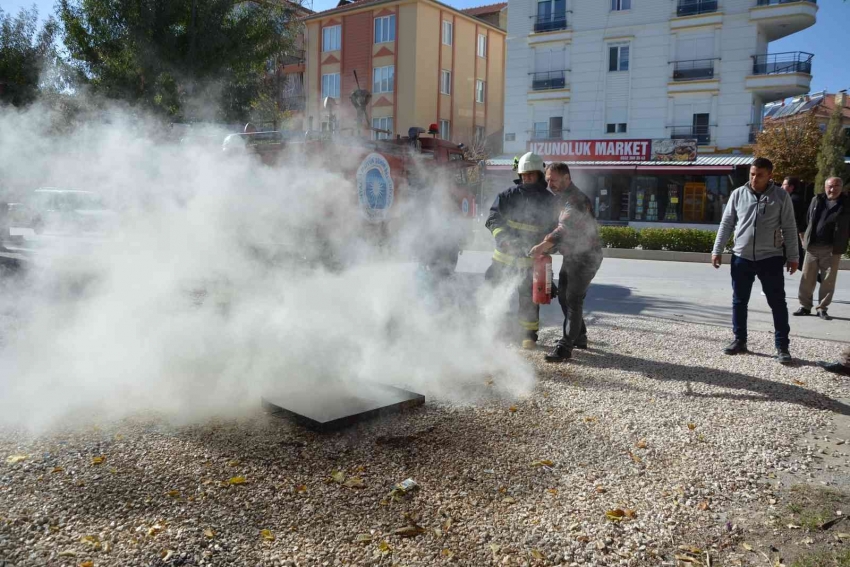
[[826, 39]]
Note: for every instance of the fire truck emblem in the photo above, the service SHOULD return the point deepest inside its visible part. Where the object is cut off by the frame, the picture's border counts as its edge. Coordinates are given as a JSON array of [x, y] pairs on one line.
[[375, 187]]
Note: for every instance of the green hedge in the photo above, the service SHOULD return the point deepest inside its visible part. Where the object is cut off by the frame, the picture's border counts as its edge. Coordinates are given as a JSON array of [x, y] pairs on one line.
[[672, 239]]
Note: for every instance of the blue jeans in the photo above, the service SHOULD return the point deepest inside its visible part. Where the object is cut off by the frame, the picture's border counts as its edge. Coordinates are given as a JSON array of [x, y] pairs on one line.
[[770, 273]]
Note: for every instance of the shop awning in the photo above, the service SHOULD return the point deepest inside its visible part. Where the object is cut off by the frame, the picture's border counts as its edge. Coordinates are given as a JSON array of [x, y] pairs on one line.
[[686, 170]]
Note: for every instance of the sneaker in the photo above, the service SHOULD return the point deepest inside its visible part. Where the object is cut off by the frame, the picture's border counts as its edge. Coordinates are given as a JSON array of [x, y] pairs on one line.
[[802, 311], [824, 315], [528, 344], [835, 368], [559, 353], [783, 356], [736, 347]]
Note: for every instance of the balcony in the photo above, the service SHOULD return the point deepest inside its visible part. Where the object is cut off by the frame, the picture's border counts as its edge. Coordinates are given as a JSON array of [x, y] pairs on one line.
[[702, 134], [549, 22], [693, 70], [548, 80], [780, 18], [778, 63], [695, 7], [292, 57]]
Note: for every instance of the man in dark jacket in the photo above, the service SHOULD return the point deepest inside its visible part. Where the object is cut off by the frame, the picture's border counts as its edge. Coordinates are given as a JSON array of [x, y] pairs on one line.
[[519, 218], [794, 187], [826, 233], [577, 239]]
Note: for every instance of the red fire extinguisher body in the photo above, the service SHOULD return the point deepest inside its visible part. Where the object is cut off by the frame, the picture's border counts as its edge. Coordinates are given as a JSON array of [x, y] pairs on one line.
[[541, 283]]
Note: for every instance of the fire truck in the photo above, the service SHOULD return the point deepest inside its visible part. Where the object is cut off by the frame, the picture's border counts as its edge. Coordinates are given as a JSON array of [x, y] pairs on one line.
[[396, 183]]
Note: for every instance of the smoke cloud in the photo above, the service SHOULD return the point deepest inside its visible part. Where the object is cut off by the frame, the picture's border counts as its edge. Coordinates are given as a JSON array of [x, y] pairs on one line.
[[211, 289]]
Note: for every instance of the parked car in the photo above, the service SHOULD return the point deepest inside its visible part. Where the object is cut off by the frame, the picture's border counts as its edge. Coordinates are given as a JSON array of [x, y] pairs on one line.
[[68, 211]]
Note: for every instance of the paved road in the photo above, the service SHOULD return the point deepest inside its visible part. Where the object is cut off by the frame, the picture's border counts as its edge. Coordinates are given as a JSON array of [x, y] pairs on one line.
[[684, 291]]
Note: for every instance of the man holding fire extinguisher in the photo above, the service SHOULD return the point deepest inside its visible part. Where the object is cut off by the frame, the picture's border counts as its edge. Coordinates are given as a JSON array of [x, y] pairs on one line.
[[577, 239], [519, 218]]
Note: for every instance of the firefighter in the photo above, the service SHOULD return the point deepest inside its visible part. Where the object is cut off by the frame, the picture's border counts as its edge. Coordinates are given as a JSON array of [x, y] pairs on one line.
[[519, 218]]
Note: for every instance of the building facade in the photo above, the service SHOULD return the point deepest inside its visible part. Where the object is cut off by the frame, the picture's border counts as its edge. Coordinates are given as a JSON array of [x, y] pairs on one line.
[[621, 70], [423, 62]]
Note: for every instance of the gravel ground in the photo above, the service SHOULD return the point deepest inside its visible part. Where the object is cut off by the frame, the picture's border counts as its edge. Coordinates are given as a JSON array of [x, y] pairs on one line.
[[634, 448]]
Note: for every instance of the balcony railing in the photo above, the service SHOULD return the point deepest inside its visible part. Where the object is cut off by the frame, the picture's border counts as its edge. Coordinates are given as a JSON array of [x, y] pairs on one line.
[[292, 57], [777, 2], [702, 134], [549, 22], [694, 7], [547, 80], [788, 62], [693, 69], [550, 134]]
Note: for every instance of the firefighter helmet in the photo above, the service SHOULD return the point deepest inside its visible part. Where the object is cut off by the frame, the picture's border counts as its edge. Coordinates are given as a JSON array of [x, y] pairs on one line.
[[530, 162]]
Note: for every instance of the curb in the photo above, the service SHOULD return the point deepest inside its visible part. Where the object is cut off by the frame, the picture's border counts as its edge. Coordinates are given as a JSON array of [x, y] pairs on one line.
[[665, 256]]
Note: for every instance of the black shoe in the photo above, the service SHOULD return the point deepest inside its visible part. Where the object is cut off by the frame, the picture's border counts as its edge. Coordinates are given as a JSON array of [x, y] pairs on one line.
[[824, 315], [581, 343], [835, 368], [783, 356], [736, 347], [802, 311], [559, 353]]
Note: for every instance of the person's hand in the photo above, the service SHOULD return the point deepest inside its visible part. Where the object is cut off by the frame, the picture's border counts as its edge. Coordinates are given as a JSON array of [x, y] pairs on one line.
[[541, 249], [792, 267], [716, 260]]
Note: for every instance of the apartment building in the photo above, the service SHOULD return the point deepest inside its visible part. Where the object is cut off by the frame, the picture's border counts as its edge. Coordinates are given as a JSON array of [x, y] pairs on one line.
[[650, 70], [423, 62]]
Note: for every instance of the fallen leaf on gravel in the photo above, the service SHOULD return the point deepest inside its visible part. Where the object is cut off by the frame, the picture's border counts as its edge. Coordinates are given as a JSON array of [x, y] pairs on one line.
[[209, 533], [685, 558], [495, 547], [338, 477], [536, 554], [747, 546], [98, 460], [13, 459], [799, 382], [233, 463], [692, 426], [166, 555], [590, 419], [630, 513], [447, 524], [91, 540], [57, 469], [543, 463], [87, 564], [552, 490], [600, 489], [641, 444], [155, 529], [301, 488], [267, 535], [237, 480], [634, 457], [174, 493], [574, 527], [107, 547], [409, 531], [438, 532], [703, 506], [447, 553], [354, 482], [363, 538], [489, 382], [508, 500], [512, 409], [384, 547], [794, 527], [690, 549], [615, 515], [68, 553]]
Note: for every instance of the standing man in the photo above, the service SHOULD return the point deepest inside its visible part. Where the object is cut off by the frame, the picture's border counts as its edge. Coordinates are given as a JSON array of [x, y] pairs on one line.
[[519, 218], [577, 239], [762, 216], [794, 187], [827, 231]]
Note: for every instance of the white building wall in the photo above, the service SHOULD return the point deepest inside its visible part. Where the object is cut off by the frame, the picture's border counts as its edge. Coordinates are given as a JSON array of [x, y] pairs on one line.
[[650, 102]]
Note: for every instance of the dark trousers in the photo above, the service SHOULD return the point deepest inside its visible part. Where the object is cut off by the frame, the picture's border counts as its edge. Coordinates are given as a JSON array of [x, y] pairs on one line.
[[770, 273], [528, 312], [573, 281]]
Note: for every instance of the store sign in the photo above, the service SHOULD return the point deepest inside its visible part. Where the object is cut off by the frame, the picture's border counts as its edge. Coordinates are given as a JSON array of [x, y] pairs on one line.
[[615, 150]]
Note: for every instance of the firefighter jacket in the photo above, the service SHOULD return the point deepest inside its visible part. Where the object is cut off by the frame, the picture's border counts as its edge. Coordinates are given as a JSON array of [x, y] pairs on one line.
[[519, 219]]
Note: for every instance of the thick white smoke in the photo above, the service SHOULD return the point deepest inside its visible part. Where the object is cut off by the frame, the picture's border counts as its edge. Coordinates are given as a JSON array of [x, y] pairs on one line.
[[212, 293]]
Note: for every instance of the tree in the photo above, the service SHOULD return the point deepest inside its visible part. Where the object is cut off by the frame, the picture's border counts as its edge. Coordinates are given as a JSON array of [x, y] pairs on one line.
[[24, 52], [792, 145], [832, 149], [185, 59]]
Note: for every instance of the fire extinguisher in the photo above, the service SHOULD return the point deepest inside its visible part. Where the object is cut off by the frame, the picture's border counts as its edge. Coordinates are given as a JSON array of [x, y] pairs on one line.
[[541, 280]]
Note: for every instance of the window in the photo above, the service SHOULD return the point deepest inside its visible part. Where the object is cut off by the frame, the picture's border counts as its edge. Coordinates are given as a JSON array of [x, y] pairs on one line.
[[447, 33], [479, 90], [446, 82], [619, 5], [549, 130], [618, 58], [330, 85], [616, 128], [331, 38], [541, 130], [482, 45], [382, 81], [445, 130], [551, 15], [480, 134], [701, 129], [385, 123], [384, 29]]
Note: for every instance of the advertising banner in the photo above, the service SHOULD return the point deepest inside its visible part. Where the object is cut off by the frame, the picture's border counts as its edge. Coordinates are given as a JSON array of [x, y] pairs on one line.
[[614, 150]]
